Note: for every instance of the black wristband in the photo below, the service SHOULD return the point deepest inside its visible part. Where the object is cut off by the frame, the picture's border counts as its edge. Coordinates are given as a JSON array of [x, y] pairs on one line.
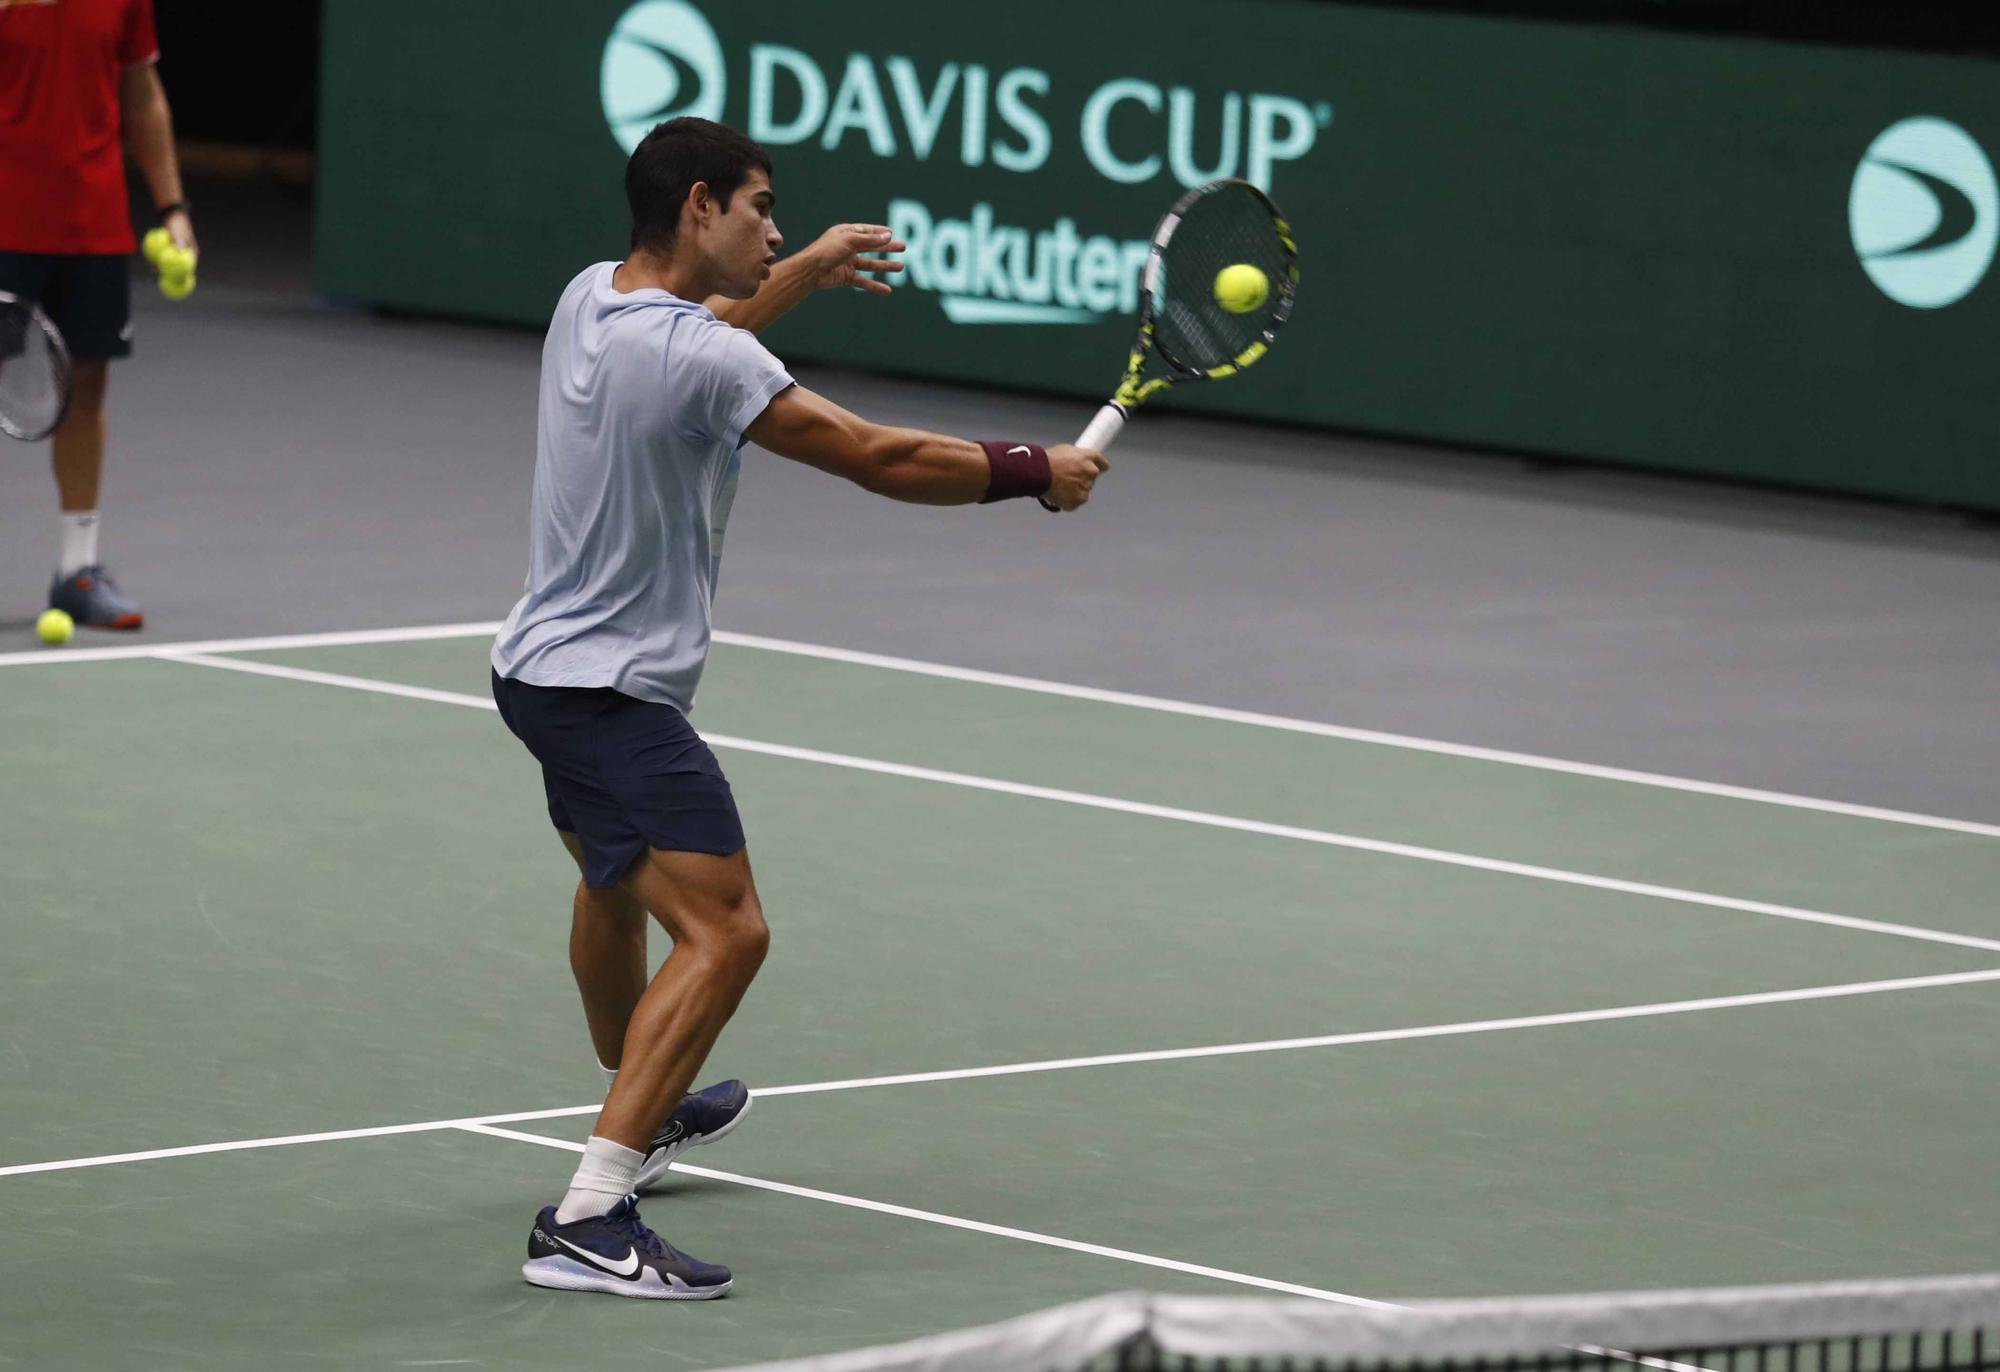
[[1017, 469], [171, 207]]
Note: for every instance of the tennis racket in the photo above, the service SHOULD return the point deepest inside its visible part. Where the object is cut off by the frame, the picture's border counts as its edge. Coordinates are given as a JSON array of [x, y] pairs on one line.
[[34, 371], [1196, 337]]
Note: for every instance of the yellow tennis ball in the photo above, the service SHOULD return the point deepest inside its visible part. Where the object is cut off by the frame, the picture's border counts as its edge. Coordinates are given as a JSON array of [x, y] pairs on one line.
[[175, 286], [155, 242], [174, 260], [55, 627], [1241, 288]]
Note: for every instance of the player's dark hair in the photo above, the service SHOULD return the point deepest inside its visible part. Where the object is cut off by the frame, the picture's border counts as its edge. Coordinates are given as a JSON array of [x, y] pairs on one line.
[[667, 163]]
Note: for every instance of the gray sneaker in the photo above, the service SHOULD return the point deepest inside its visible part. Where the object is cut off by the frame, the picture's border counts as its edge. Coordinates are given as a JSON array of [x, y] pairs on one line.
[[93, 600]]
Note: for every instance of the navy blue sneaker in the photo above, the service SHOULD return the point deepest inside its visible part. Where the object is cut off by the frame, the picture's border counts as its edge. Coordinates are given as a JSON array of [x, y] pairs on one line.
[[702, 1117], [619, 1254], [92, 599]]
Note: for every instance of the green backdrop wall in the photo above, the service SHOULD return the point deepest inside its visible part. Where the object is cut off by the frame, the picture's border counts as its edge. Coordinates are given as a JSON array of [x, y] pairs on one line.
[[1715, 255]]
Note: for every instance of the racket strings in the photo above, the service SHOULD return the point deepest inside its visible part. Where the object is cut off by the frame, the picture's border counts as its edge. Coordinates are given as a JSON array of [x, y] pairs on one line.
[[34, 374], [1225, 228]]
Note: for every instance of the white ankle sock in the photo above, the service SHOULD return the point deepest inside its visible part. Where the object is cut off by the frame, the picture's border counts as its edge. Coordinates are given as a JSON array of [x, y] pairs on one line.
[[610, 1077], [79, 542], [608, 1173]]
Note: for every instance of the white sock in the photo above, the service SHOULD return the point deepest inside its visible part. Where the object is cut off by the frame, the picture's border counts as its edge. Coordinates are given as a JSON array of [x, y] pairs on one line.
[[608, 1173], [610, 1077], [79, 542]]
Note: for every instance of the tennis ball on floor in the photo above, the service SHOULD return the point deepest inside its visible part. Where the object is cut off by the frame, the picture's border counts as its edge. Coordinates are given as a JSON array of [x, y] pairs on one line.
[[175, 286], [55, 627], [155, 242], [1241, 288]]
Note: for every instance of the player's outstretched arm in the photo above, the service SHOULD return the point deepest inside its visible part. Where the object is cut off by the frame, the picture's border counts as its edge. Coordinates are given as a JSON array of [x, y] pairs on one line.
[[919, 467], [148, 130], [836, 258]]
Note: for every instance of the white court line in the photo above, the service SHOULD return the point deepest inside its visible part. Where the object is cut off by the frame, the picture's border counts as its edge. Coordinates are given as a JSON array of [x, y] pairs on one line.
[[1058, 688], [1305, 726], [954, 1222], [1046, 1240], [57, 657], [288, 1140], [1133, 807], [352, 683], [1427, 1031], [1676, 1007]]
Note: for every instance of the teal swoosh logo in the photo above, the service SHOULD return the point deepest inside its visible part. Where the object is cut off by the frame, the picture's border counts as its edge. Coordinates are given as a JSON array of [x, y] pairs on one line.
[[1923, 212]]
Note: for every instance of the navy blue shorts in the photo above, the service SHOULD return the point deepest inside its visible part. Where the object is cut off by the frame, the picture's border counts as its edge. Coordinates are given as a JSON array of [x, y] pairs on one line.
[[623, 775], [88, 296]]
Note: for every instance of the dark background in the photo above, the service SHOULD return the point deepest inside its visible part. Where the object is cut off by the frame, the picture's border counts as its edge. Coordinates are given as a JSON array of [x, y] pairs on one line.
[[259, 86]]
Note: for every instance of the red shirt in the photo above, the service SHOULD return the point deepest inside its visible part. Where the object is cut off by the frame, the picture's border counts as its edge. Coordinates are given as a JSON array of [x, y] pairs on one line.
[[62, 169]]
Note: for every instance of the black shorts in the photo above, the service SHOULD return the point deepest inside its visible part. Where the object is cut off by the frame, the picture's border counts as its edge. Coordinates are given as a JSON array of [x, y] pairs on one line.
[[88, 296], [621, 774]]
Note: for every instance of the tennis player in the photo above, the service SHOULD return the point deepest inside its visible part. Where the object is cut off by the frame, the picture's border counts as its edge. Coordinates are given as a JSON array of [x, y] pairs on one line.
[[77, 79], [652, 380]]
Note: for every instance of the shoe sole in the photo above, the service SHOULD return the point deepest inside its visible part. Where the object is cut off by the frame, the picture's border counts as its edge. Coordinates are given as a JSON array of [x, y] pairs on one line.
[[126, 621], [649, 1175], [562, 1274]]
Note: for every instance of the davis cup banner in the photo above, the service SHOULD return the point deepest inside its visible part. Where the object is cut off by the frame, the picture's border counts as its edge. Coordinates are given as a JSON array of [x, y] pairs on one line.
[[1713, 255]]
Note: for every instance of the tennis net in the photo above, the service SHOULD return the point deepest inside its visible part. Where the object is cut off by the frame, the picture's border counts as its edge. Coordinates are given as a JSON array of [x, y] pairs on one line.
[[1946, 1324]]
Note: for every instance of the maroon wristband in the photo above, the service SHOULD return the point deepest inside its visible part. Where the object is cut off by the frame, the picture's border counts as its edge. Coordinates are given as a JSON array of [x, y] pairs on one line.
[[1018, 469]]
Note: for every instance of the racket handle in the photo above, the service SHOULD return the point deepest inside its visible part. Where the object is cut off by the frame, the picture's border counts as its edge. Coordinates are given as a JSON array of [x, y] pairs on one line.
[[1103, 428], [1097, 436]]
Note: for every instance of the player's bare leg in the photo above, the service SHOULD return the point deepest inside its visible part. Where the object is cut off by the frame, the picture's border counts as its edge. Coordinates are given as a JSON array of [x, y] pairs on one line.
[[607, 954], [77, 449], [595, 1241], [709, 906], [82, 589]]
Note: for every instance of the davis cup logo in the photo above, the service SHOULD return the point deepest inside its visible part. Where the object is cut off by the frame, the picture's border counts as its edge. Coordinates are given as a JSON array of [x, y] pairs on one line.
[[1924, 212], [662, 60]]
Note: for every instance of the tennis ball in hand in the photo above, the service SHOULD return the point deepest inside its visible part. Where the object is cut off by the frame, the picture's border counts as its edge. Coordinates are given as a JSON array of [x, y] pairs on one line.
[[55, 627], [155, 242], [176, 272], [1241, 288]]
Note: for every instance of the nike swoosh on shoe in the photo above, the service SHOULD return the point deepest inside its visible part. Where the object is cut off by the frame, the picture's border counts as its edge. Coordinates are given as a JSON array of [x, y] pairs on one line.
[[629, 1267]]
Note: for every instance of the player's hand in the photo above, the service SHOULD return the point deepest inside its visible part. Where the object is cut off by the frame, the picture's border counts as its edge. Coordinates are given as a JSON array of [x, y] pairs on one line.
[[1072, 472], [839, 257], [180, 228]]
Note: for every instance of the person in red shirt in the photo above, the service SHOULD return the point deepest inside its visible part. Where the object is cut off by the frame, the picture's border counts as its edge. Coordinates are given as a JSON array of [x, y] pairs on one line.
[[78, 90]]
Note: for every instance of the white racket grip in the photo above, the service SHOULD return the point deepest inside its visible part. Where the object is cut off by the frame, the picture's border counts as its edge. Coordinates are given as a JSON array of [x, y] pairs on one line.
[[1103, 428]]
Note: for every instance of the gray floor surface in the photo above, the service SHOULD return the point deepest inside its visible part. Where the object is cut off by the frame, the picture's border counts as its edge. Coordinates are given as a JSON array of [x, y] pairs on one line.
[[279, 466]]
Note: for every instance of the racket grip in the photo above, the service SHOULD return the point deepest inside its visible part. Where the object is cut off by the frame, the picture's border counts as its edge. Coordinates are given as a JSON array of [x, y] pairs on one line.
[[1103, 427]]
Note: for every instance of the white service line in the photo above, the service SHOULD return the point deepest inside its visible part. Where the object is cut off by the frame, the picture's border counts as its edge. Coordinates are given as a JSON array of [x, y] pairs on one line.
[[952, 1221], [1046, 1240], [1426, 1031], [1325, 837], [288, 1140], [352, 683], [273, 643], [1055, 688], [1677, 1007], [1306, 726]]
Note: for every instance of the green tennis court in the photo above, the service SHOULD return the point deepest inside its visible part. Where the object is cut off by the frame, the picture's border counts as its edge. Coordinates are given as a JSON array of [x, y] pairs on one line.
[[288, 1061]]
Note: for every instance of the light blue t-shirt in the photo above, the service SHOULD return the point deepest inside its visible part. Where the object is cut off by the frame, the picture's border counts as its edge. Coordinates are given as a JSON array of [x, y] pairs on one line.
[[644, 400]]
